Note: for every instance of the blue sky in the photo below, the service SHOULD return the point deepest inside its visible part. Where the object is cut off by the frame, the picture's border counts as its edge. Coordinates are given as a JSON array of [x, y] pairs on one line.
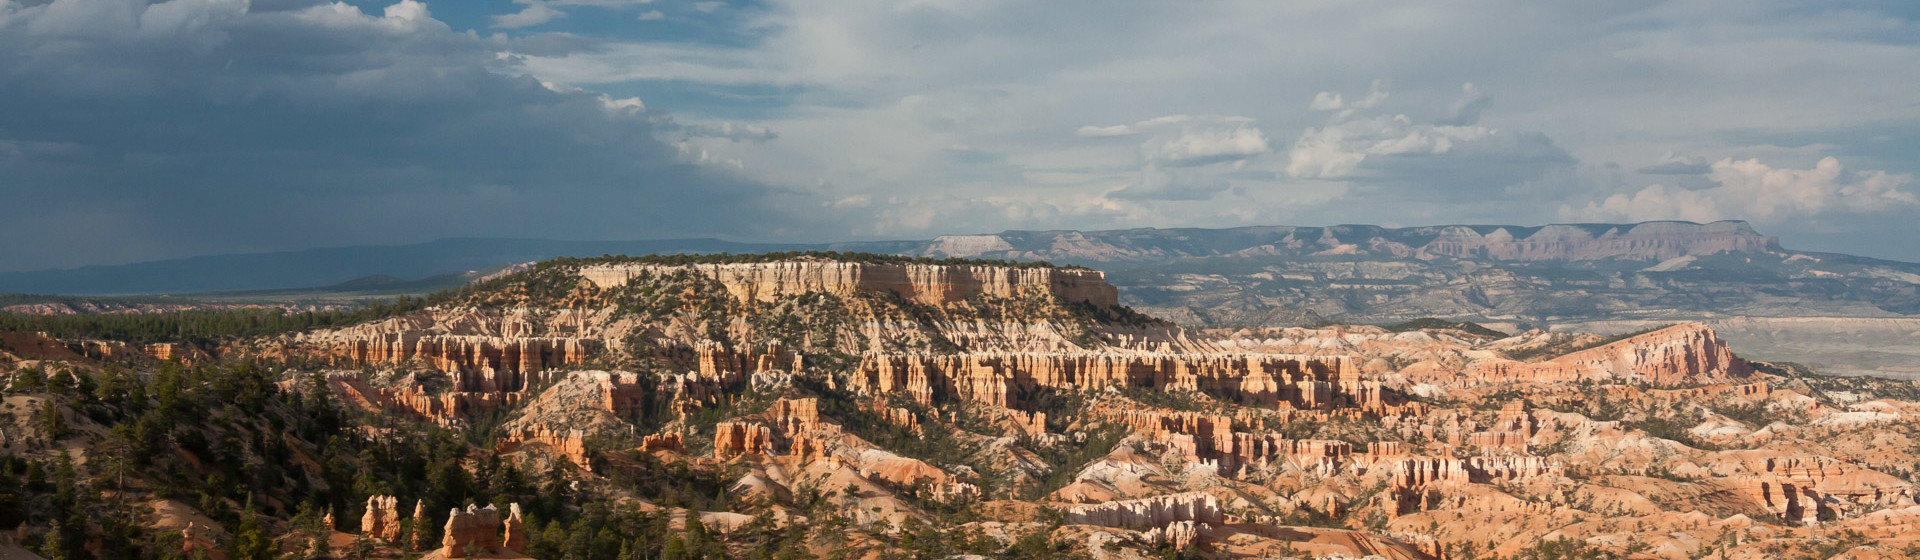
[[139, 130]]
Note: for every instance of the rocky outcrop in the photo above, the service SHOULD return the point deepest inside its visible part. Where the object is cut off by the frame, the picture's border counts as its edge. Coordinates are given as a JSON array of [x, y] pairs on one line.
[[734, 439], [570, 444], [1420, 471], [482, 531], [1149, 513], [514, 533], [1679, 355], [792, 416], [382, 519], [1511, 467], [475, 529], [484, 363], [1300, 381], [923, 283], [1689, 353], [670, 441]]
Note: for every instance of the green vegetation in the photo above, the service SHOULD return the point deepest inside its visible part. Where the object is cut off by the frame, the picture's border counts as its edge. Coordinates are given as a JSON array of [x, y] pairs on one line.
[[200, 326]]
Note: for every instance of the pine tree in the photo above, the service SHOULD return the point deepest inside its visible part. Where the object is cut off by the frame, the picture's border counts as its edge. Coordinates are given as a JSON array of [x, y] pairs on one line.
[[249, 541]]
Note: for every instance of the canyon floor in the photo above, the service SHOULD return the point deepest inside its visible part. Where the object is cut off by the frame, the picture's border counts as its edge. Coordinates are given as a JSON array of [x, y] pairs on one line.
[[877, 407]]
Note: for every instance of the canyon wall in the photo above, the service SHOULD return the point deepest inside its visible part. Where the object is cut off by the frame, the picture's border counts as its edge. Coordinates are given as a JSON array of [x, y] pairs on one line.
[[924, 283], [1303, 381]]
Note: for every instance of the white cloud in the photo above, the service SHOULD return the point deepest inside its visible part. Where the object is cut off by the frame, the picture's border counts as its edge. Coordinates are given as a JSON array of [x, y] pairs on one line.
[[1340, 149], [1207, 144], [1103, 131], [708, 7], [1361, 142], [536, 13], [651, 15], [1752, 190], [1333, 101]]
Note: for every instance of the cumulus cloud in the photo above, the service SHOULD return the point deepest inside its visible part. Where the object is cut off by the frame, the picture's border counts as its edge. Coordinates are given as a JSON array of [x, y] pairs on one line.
[[190, 127], [1752, 190], [535, 13], [1334, 101], [1203, 145], [1394, 149], [1188, 141]]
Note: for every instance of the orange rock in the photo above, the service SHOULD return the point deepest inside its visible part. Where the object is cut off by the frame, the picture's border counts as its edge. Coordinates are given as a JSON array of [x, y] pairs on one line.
[[382, 520], [923, 283], [733, 439]]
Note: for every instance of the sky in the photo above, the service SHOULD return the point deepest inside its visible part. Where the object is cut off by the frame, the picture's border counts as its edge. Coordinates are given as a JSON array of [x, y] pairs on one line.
[[134, 130]]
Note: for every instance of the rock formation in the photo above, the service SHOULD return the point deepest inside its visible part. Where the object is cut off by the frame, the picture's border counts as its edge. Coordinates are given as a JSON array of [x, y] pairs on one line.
[[475, 529], [1301, 381], [514, 536], [733, 439], [1149, 513], [923, 283], [382, 519]]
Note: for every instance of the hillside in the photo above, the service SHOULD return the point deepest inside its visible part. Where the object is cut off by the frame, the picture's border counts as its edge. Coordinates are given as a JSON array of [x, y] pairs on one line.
[[834, 405]]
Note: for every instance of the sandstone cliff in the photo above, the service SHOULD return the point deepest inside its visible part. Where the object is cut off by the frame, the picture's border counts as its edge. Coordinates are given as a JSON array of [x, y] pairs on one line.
[[924, 283]]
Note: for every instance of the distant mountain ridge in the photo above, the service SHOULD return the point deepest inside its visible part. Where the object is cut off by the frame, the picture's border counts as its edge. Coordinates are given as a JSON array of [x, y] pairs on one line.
[[1129, 250], [1648, 241]]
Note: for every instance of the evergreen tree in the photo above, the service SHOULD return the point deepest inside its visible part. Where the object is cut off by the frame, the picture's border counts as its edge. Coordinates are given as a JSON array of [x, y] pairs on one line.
[[249, 541]]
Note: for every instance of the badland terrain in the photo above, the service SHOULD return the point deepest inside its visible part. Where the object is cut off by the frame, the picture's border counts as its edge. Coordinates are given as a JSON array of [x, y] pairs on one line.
[[843, 405], [1836, 313]]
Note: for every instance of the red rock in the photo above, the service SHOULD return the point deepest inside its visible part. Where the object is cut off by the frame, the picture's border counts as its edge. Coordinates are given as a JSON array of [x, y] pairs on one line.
[[474, 528], [733, 439]]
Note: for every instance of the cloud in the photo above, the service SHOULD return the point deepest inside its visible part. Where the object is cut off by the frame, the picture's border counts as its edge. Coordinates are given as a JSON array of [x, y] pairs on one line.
[[651, 15], [1434, 158], [731, 131], [535, 13], [1752, 190], [709, 6], [1203, 145], [191, 127], [1333, 101], [1104, 131], [1187, 141], [1672, 163], [1466, 111]]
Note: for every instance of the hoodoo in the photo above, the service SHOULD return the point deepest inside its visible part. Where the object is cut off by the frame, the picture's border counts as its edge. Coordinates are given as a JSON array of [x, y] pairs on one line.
[[846, 404]]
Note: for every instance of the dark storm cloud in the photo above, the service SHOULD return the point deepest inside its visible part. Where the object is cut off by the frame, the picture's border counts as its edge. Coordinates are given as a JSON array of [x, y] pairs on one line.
[[138, 131]]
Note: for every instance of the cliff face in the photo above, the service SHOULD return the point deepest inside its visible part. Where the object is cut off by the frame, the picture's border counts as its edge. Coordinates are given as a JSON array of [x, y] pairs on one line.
[[1670, 356], [923, 283], [1678, 355], [1306, 382]]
